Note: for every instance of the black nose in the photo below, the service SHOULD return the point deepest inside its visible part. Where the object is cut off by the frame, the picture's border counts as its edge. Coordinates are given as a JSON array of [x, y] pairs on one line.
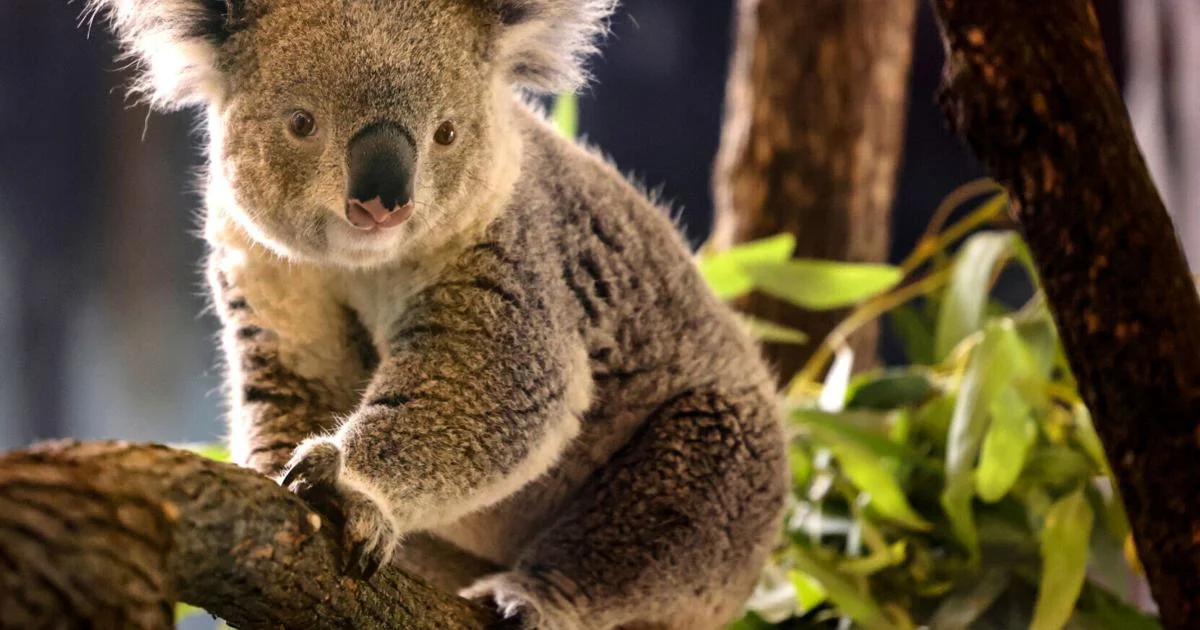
[[382, 159]]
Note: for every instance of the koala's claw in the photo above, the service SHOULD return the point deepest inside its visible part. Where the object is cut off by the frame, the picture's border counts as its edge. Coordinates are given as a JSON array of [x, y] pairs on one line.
[[315, 474], [314, 467], [523, 603]]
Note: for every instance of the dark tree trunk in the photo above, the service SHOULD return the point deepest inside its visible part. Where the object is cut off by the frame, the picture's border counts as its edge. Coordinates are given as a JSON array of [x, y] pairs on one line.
[[813, 130], [110, 535], [1028, 87]]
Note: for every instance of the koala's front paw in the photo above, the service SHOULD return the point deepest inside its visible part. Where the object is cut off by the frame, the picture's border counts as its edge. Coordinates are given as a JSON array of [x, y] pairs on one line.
[[317, 473], [525, 602]]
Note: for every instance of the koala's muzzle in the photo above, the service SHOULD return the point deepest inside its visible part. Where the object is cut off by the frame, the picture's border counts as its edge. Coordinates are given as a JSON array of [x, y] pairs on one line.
[[383, 160]]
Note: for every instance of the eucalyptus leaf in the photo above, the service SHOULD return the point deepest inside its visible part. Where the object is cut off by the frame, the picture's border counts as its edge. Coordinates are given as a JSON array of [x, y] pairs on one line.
[[915, 331], [1099, 609], [725, 271], [970, 285], [823, 284], [1005, 446], [832, 429], [726, 277], [877, 561], [809, 592], [750, 621], [183, 611], [863, 458], [872, 477], [956, 501], [215, 451], [1058, 467], [770, 332], [890, 389], [993, 367], [842, 589], [967, 604], [773, 249], [566, 115], [1065, 535]]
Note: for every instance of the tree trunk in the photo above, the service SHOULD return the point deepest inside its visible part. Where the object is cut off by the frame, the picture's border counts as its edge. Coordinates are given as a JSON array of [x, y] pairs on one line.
[[814, 125], [110, 535], [1028, 87]]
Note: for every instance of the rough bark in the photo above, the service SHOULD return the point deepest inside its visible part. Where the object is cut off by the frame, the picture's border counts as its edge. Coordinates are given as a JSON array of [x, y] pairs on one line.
[[110, 535], [1027, 85], [812, 137]]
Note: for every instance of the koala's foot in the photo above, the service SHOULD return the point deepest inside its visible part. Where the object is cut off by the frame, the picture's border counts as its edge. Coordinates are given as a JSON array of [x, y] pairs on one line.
[[317, 473], [524, 602]]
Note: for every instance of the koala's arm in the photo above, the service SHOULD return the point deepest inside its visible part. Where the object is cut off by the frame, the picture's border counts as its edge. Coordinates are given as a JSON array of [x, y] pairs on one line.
[[480, 393], [290, 355]]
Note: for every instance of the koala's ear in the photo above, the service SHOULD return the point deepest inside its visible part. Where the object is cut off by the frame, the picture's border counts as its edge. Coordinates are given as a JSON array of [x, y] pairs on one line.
[[175, 44], [543, 44]]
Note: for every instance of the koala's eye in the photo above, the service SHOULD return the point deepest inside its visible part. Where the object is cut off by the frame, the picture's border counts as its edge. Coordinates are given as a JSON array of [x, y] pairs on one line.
[[445, 134], [302, 124]]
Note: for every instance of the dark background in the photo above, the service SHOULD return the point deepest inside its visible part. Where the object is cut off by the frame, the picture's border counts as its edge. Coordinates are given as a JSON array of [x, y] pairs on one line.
[[102, 325]]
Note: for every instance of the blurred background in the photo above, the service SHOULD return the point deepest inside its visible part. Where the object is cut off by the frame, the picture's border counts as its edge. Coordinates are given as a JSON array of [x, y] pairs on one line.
[[103, 327]]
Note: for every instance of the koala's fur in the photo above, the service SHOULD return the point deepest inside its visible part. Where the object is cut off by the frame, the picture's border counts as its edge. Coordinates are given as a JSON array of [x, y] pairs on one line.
[[529, 374]]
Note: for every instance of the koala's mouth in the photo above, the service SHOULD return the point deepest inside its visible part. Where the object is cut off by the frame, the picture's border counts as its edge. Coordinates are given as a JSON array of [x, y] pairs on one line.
[[374, 215]]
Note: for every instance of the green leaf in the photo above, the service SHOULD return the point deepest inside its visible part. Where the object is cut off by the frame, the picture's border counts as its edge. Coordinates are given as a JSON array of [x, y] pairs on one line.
[[1099, 609], [183, 611], [1058, 467], [914, 331], [216, 451], [801, 465], [823, 284], [1005, 447], [770, 332], [870, 476], [773, 249], [956, 499], [932, 420], [727, 279], [970, 284], [890, 389], [965, 605], [809, 592], [725, 272], [750, 622], [1065, 535], [863, 459], [566, 115], [991, 369], [842, 589], [1085, 434], [879, 560], [833, 429]]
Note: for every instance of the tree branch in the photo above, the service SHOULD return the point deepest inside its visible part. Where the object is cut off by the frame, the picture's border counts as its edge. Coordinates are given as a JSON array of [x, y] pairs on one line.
[[110, 535], [1028, 87], [814, 124]]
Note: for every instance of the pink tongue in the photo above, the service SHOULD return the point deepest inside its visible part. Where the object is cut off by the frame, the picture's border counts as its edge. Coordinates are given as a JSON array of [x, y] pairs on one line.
[[400, 215], [359, 217]]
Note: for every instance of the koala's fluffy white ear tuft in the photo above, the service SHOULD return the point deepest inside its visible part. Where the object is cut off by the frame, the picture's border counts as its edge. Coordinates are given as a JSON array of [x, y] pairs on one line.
[[544, 43], [174, 43]]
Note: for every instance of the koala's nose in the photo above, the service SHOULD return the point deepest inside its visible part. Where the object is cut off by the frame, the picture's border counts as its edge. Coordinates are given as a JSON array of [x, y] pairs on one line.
[[382, 159]]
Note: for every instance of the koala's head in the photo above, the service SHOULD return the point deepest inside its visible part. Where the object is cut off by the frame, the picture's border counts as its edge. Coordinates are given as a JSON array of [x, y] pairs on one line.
[[345, 131]]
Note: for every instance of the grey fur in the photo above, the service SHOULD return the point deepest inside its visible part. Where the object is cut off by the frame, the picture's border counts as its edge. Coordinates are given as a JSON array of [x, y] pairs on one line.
[[529, 371]]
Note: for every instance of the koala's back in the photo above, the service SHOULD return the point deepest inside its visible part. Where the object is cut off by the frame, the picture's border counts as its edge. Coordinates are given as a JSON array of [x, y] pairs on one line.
[[625, 283]]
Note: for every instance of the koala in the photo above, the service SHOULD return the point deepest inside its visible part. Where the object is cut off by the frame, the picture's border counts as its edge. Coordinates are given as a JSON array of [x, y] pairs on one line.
[[467, 340]]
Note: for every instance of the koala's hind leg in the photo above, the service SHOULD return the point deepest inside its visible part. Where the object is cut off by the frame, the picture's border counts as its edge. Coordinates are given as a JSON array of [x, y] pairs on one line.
[[670, 533]]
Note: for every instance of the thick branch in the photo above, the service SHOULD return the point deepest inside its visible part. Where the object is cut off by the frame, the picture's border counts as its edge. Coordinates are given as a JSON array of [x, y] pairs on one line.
[[813, 128], [109, 535], [1028, 87]]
